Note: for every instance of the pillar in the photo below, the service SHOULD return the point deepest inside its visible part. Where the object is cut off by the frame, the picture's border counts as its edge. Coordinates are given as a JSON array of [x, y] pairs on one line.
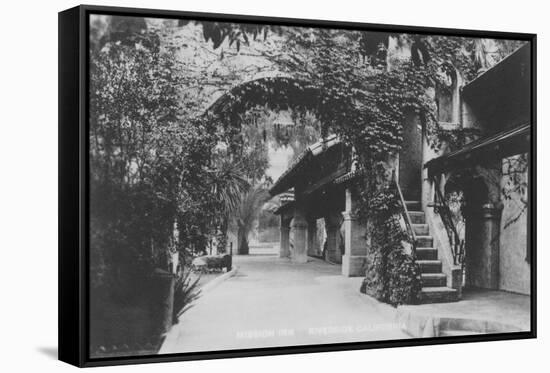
[[353, 261], [284, 245], [490, 236], [298, 233], [312, 242], [332, 225]]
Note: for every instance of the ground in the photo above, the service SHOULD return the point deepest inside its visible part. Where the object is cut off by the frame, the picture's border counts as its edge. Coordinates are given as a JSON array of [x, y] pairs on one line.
[[272, 302], [204, 278], [478, 312]]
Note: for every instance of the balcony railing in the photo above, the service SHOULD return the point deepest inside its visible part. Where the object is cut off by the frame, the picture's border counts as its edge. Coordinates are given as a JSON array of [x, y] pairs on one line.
[[443, 210], [405, 215]]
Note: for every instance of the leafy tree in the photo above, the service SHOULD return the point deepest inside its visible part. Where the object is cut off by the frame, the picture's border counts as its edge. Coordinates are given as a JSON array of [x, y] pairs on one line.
[[228, 184], [148, 165], [153, 141], [247, 213]]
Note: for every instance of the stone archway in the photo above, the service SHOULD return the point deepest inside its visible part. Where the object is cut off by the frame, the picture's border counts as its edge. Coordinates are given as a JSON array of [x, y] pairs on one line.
[[481, 212], [228, 113], [278, 92]]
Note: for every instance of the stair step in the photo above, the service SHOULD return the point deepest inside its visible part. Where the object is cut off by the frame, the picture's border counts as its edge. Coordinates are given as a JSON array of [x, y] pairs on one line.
[[421, 229], [438, 294], [426, 253], [424, 241], [434, 279], [429, 266], [413, 205], [417, 217]]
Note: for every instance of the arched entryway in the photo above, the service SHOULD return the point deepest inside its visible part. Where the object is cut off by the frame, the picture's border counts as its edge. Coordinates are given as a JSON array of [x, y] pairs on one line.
[[474, 202], [291, 106]]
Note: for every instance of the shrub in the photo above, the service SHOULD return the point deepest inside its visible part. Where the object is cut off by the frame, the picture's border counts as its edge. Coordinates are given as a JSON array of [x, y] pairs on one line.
[[403, 278], [186, 292], [391, 275]]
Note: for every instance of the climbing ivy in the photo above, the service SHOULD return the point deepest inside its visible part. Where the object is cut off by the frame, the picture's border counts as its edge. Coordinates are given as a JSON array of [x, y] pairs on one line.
[[367, 106], [391, 274], [365, 100], [454, 138]]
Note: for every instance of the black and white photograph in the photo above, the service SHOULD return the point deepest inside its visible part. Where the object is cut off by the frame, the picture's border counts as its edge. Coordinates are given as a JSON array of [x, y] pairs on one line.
[[275, 186], [259, 186], [292, 186]]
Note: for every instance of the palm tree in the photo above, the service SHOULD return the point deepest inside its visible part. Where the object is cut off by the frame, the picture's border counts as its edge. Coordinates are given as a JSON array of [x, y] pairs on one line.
[[248, 211], [228, 183]]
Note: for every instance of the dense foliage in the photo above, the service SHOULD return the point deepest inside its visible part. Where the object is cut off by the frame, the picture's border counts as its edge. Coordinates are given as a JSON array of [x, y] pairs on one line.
[[186, 291], [161, 158], [391, 274], [147, 166], [367, 104], [157, 185], [365, 95]]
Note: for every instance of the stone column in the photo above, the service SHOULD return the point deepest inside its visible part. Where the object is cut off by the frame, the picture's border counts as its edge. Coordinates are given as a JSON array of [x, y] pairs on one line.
[[312, 243], [490, 237], [332, 226], [284, 245], [355, 254], [298, 231]]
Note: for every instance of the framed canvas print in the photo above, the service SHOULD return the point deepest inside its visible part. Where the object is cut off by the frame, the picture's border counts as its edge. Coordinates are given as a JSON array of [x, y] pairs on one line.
[[234, 186]]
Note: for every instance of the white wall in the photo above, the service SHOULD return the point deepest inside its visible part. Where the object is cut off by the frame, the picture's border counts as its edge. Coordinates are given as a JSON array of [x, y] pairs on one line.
[[514, 270]]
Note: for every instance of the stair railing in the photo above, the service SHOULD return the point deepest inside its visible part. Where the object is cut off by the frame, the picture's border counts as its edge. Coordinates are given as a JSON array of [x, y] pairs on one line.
[[442, 209], [405, 214]]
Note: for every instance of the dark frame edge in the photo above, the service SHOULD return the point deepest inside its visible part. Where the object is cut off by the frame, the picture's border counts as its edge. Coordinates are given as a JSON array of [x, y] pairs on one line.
[[70, 263], [303, 22], [308, 349], [532, 206]]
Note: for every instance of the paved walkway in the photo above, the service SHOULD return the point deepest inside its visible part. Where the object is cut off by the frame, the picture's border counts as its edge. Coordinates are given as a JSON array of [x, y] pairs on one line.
[[267, 248], [272, 302], [479, 311]]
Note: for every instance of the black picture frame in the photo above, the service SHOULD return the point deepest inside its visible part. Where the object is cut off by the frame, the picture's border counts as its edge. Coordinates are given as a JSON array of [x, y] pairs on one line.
[[74, 189]]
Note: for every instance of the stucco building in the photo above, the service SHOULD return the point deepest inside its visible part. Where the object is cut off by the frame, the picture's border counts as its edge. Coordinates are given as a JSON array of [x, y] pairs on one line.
[[479, 238]]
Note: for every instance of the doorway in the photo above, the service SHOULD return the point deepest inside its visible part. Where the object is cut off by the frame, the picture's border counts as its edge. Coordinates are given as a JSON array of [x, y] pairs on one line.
[[410, 159]]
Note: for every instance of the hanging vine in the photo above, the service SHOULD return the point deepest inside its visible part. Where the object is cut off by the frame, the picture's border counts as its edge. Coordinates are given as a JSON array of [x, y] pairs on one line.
[[366, 104]]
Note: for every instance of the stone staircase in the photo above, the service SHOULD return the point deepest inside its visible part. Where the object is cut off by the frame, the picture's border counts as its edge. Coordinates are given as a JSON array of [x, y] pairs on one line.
[[434, 281]]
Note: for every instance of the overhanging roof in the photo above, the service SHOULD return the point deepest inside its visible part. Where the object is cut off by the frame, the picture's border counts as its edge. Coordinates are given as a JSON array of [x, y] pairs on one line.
[[514, 69], [284, 207], [500, 98], [348, 176], [288, 178], [500, 145]]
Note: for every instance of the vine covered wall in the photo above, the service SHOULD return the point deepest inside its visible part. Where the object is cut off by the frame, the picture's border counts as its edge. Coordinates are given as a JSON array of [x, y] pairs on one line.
[[359, 85], [364, 95]]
